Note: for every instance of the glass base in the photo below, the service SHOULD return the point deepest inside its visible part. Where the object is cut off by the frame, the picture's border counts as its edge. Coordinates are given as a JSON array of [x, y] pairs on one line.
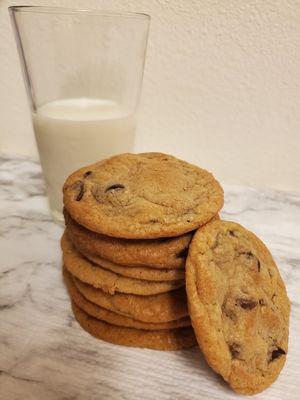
[[58, 217]]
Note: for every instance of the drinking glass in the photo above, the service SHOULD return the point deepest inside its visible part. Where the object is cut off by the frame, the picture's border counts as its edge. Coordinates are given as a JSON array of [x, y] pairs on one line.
[[83, 72]]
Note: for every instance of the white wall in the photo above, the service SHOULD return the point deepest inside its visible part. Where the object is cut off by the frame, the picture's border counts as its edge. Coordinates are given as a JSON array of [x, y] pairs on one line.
[[221, 86]]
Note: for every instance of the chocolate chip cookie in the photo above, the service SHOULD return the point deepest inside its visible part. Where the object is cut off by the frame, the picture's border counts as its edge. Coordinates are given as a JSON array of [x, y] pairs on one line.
[[155, 253], [109, 281], [166, 339], [164, 307], [113, 318], [142, 196], [143, 273], [238, 305]]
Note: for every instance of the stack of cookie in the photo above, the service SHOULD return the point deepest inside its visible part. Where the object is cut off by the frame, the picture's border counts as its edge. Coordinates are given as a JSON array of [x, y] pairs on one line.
[[129, 221], [129, 239]]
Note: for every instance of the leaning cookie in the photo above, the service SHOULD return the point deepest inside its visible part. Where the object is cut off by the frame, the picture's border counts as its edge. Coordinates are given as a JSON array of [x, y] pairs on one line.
[[238, 306]]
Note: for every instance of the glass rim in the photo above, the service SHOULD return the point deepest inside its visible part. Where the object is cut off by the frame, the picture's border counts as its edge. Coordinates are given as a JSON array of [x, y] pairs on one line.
[[82, 11]]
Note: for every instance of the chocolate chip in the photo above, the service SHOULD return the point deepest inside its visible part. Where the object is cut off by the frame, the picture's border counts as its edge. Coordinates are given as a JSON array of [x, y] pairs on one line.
[[78, 187], [234, 349], [183, 253], [262, 302], [247, 304], [232, 233], [87, 173], [81, 193], [116, 186], [277, 353], [248, 254], [153, 221]]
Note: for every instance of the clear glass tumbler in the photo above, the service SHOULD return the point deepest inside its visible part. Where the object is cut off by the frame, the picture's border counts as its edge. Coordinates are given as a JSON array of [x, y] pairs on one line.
[[83, 72]]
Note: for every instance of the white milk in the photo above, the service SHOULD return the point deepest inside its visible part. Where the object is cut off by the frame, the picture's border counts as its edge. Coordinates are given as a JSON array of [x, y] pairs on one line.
[[71, 133]]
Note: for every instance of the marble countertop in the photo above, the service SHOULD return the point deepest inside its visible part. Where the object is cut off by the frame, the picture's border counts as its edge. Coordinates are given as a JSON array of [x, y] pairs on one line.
[[44, 354]]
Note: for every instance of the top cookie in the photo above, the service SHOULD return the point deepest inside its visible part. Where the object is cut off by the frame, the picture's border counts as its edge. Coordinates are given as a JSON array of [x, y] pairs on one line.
[[238, 305], [142, 196]]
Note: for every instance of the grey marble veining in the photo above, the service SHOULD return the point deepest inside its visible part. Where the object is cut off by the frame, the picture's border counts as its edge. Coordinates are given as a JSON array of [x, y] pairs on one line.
[[44, 354]]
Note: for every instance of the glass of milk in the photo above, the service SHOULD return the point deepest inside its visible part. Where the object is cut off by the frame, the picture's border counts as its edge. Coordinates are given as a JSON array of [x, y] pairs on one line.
[[83, 72]]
